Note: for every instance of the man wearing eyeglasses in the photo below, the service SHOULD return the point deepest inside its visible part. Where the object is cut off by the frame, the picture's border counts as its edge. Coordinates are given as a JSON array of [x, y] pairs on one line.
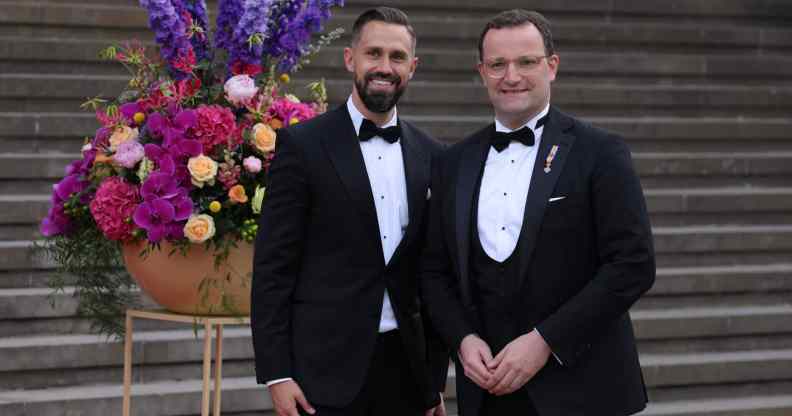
[[538, 244]]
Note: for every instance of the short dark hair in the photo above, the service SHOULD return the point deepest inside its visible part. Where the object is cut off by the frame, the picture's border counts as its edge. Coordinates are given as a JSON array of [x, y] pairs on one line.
[[515, 18], [382, 14]]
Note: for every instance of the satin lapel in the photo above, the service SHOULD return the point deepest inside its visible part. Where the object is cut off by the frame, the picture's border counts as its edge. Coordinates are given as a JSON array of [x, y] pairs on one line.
[[543, 183], [471, 160], [343, 148], [416, 172]]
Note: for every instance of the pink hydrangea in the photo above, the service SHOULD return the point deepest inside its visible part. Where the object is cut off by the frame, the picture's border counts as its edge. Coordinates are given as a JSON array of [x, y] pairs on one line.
[[215, 126], [113, 206], [286, 109]]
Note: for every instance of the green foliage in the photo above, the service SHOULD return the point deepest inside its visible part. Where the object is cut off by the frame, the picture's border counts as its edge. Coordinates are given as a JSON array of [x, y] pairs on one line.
[[103, 287]]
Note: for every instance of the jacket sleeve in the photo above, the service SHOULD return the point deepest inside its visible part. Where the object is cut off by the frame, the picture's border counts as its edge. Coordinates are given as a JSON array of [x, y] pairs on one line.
[[625, 254], [439, 285], [276, 260]]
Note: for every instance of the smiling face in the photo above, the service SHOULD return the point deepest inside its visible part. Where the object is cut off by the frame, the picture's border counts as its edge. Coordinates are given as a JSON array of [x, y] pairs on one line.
[[382, 62], [517, 97]]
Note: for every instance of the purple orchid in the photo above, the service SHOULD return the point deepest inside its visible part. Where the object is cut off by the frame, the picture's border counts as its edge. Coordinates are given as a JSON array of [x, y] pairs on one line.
[[129, 110], [57, 222], [171, 128], [165, 207]]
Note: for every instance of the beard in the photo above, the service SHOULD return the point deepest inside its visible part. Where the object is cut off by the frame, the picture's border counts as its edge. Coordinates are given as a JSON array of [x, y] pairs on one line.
[[379, 101]]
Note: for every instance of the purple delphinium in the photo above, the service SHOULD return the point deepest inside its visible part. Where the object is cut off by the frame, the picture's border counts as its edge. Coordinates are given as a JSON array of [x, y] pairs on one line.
[[199, 18], [170, 33], [228, 14], [165, 207], [292, 35], [254, 21]]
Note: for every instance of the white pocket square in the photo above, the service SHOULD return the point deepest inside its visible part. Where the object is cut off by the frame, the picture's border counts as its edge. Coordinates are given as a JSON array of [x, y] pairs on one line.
[[556, 198], [428, 193]]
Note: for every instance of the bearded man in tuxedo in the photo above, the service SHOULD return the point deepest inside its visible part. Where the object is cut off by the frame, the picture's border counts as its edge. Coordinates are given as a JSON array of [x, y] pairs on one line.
[[538, 244], [338, 327]]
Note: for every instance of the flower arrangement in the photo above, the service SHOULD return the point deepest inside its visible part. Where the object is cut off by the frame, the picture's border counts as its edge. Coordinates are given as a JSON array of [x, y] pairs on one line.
[[181, 156]]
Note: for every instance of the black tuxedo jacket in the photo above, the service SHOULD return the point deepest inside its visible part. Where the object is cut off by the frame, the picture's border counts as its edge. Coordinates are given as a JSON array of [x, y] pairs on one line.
[[585, 258], [319, 275]]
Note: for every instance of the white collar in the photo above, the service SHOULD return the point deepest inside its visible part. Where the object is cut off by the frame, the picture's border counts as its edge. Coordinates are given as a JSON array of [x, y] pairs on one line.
[[531, 123], [357, 116]]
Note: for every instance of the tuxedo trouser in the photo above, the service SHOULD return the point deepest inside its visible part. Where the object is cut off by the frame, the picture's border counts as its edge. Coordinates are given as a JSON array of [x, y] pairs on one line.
[[389, 389], [515, 404]]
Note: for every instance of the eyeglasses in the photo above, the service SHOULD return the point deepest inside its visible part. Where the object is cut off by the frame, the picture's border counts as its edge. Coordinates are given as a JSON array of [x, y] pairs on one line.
[[524, 65]]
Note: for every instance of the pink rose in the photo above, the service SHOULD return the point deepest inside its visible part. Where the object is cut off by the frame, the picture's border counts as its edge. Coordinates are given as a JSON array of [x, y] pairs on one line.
[[252, 164], [240, 89]]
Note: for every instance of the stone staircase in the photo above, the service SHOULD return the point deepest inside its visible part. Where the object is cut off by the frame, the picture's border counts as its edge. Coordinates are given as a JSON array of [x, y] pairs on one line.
[[700, 90]]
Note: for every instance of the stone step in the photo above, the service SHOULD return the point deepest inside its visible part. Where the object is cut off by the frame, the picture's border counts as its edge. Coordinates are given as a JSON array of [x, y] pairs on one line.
[[722, 245], [445, 60], [750, 9], [707, 245], [34, 173], [719, 367], [169, 397], [163, 398], [85, 21], [719, 280], [177, 347], [700, 322], [64, 93], [33, 132], [667, 207], [758, 405]]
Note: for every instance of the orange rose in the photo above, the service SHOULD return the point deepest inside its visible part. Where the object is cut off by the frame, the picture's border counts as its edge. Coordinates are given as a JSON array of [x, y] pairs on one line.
[[122, 134], [263, 138], [275, 123], [237, 194], [199, 228], [202, 169]]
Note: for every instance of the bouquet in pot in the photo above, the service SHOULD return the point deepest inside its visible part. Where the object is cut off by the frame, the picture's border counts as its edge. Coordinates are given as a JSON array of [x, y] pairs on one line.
[[182, 153]]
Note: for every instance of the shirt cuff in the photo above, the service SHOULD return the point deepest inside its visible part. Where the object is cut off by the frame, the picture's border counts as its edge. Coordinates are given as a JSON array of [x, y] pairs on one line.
[[278, 380], [551, 350]]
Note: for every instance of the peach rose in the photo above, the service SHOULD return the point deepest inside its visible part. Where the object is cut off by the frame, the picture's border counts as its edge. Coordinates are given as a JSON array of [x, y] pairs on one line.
[[237, 194], [263, 138], [202, 169], [275, 123], [122, 134], [199, 228]]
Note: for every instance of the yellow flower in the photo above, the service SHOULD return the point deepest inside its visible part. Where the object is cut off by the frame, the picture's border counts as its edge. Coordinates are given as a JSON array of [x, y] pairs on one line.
[[237, 194], [139, 118], [215, 206], [294, 120], [263, 138], [199, 228], [202, 169], [285, 78], [122, 134]]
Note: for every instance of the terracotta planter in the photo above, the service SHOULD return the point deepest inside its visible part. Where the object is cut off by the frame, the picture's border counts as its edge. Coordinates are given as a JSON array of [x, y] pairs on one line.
[[175, 281]]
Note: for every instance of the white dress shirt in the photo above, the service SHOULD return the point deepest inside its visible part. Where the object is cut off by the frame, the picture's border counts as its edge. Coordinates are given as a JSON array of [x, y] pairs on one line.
[[504, 190], [385, 169]]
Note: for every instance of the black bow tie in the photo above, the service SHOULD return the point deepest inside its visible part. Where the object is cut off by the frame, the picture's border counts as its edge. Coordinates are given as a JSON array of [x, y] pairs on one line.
[[368, 130], [500, 140]]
